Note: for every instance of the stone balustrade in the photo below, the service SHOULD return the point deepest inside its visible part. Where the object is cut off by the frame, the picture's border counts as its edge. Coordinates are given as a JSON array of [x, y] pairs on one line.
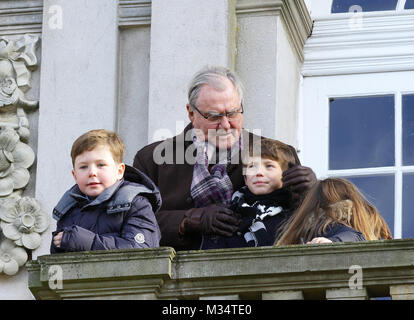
[[336, 271]]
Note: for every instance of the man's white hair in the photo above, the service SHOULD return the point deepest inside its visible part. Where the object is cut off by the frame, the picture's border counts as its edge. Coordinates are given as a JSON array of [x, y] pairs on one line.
[[213, 76]]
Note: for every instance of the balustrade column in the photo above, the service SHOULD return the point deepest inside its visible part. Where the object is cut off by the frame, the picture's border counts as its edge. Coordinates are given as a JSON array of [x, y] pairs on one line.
[[221, 297], [283, 295], [402, 292], [346, 294]]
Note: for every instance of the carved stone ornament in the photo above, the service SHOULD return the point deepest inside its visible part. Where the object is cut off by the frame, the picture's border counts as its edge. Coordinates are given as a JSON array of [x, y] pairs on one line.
[[11, 257], [22, 221], [17, 59], [21, 218], [15, 158]]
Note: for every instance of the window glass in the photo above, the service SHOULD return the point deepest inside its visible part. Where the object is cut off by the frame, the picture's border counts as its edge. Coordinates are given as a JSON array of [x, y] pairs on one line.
[[339, 6], [408, 205], [409, 4], [361, 132], [379, 191], [408, 129]]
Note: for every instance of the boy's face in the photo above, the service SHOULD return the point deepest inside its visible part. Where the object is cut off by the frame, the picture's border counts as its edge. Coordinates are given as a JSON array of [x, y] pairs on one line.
[[263, 176], [96, 170]]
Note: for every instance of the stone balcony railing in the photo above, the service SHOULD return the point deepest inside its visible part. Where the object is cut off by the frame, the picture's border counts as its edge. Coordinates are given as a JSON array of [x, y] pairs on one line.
[[339, 271]]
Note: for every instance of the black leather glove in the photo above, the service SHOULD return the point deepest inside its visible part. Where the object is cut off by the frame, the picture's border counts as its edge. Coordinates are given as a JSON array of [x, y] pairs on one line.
[[299, 180], [211, 220]]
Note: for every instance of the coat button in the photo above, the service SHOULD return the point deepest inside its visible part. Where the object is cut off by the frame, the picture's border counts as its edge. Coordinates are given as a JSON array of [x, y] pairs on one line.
[[189, 200]]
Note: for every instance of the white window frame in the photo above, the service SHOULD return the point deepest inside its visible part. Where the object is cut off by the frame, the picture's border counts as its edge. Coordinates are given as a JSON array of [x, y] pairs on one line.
[[314, 119]]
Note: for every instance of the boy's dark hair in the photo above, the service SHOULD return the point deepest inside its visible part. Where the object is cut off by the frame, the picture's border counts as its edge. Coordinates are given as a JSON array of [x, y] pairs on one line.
[[273, 150], [100, 137]]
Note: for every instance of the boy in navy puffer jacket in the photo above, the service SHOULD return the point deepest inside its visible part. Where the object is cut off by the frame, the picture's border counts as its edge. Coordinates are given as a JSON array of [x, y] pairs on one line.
[[111, 206]]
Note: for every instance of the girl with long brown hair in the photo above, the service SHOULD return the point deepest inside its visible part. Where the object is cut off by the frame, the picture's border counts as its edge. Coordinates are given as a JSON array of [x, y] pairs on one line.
[[333, 211]]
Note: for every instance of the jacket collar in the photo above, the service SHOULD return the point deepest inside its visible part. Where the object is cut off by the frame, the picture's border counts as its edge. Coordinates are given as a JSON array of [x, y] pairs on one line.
[[119, 196], [74, 196], [104, 196]]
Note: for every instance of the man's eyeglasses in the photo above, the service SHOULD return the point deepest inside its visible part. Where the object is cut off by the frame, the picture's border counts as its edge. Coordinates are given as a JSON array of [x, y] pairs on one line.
[[216, 118]]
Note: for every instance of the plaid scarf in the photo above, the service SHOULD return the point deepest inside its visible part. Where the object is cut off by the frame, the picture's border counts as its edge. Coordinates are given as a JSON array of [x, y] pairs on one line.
[[214, 187]]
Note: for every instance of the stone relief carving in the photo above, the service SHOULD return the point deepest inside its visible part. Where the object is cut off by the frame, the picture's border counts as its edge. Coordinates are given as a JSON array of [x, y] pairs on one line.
[[21, 218], [15, 158], [11, 257]]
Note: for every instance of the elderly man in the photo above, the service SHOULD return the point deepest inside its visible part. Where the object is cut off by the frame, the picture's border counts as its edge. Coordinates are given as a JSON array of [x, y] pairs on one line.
[[198, 170]]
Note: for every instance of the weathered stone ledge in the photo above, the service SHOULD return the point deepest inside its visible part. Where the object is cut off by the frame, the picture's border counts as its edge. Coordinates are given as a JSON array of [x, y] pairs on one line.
[[383, 268]]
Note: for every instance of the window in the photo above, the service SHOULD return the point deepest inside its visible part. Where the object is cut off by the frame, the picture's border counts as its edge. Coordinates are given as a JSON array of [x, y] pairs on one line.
[[339, 6], [408, 162], [361, 135], [379, 190], [357, 110], [409, 4], [408, 205], [361, 127], [361, 132], [408, 129]]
